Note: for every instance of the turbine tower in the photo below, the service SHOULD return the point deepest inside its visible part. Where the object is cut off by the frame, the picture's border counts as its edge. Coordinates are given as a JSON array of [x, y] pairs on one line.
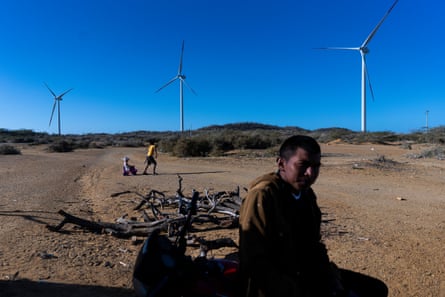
[[57, 100], [182, 81], [363, 49]]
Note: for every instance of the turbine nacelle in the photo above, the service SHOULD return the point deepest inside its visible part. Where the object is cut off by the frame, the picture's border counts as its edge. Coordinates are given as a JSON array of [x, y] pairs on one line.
[[364, 49]]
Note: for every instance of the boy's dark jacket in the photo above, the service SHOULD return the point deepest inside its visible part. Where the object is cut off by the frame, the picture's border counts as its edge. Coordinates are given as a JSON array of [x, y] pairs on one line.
[[280, 249]]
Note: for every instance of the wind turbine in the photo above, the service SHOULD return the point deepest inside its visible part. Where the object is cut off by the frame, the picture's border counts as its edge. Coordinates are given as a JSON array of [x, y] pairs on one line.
[[57, 100], [182, 81], [363, 49]]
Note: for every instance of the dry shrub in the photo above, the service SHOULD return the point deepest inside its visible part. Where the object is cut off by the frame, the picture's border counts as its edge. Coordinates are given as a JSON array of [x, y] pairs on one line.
[[97, 144], [187, 147], [437, 152], [7, 149], [61, 147]]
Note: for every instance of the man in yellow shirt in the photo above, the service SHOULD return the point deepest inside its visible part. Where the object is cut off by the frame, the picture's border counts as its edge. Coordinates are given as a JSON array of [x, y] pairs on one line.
[[152, 155]]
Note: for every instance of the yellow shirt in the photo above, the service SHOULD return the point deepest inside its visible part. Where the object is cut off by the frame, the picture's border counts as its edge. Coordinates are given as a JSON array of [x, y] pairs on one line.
[[151, 150]]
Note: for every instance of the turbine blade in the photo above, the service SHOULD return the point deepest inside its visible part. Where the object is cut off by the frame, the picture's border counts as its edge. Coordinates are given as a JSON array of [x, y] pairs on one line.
[[368, 78], [52, 112], [63, 94], [193, 91], [371, 35], [339, 48], [55, 96], [180, 59], [170, 81]]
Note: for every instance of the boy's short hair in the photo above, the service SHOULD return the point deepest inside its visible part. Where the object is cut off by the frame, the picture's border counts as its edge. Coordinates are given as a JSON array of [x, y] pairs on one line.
[[291, 144]]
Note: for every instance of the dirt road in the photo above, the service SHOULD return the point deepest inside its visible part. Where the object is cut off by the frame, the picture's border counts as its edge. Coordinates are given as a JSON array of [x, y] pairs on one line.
[[386, 215]]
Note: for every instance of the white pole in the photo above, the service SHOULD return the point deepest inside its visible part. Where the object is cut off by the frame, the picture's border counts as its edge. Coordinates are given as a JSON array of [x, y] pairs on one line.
[[181, 105], [363, 92], [427, 120], [58, 115]]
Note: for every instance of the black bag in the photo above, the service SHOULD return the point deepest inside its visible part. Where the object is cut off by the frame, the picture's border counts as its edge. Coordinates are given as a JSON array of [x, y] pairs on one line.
[[160, 268]]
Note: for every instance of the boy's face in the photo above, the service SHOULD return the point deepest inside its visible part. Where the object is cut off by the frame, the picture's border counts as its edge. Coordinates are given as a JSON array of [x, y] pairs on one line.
[[301, 170]]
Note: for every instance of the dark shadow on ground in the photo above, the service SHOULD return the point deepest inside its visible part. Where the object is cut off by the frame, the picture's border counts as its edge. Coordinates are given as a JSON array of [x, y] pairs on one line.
[[180, 173], [30, 215], [26, 288], [198, 172]]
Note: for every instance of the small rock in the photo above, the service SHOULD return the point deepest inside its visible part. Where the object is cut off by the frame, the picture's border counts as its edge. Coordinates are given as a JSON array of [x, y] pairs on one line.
[[123, 264], [108, 264], [45, 255]]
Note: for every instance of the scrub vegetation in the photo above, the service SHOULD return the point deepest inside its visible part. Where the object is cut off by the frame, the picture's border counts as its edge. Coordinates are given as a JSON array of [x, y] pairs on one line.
[[219, 140]]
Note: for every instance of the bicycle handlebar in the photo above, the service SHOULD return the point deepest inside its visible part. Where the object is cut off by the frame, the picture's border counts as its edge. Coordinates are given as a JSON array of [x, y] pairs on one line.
[[181, 241]]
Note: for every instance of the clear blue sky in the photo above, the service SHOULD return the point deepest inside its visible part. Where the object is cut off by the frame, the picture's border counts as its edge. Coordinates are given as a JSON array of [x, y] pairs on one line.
[[248, 61]]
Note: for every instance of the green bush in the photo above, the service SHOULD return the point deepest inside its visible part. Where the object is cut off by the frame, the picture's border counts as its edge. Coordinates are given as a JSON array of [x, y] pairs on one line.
[[252, 142], [167, 145], [61, 146], [188, 147], [220, 146], [128, 143], [6, 149]]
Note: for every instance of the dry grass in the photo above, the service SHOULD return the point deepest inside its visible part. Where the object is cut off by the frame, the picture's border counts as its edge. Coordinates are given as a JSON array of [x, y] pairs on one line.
[[219, 140]]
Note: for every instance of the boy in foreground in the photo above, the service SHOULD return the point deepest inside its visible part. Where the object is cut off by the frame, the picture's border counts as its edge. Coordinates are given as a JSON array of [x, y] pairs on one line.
[[281, 253]]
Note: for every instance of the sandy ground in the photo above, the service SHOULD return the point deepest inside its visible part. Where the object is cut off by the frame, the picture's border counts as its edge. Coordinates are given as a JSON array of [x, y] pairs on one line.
[[385, 218]]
